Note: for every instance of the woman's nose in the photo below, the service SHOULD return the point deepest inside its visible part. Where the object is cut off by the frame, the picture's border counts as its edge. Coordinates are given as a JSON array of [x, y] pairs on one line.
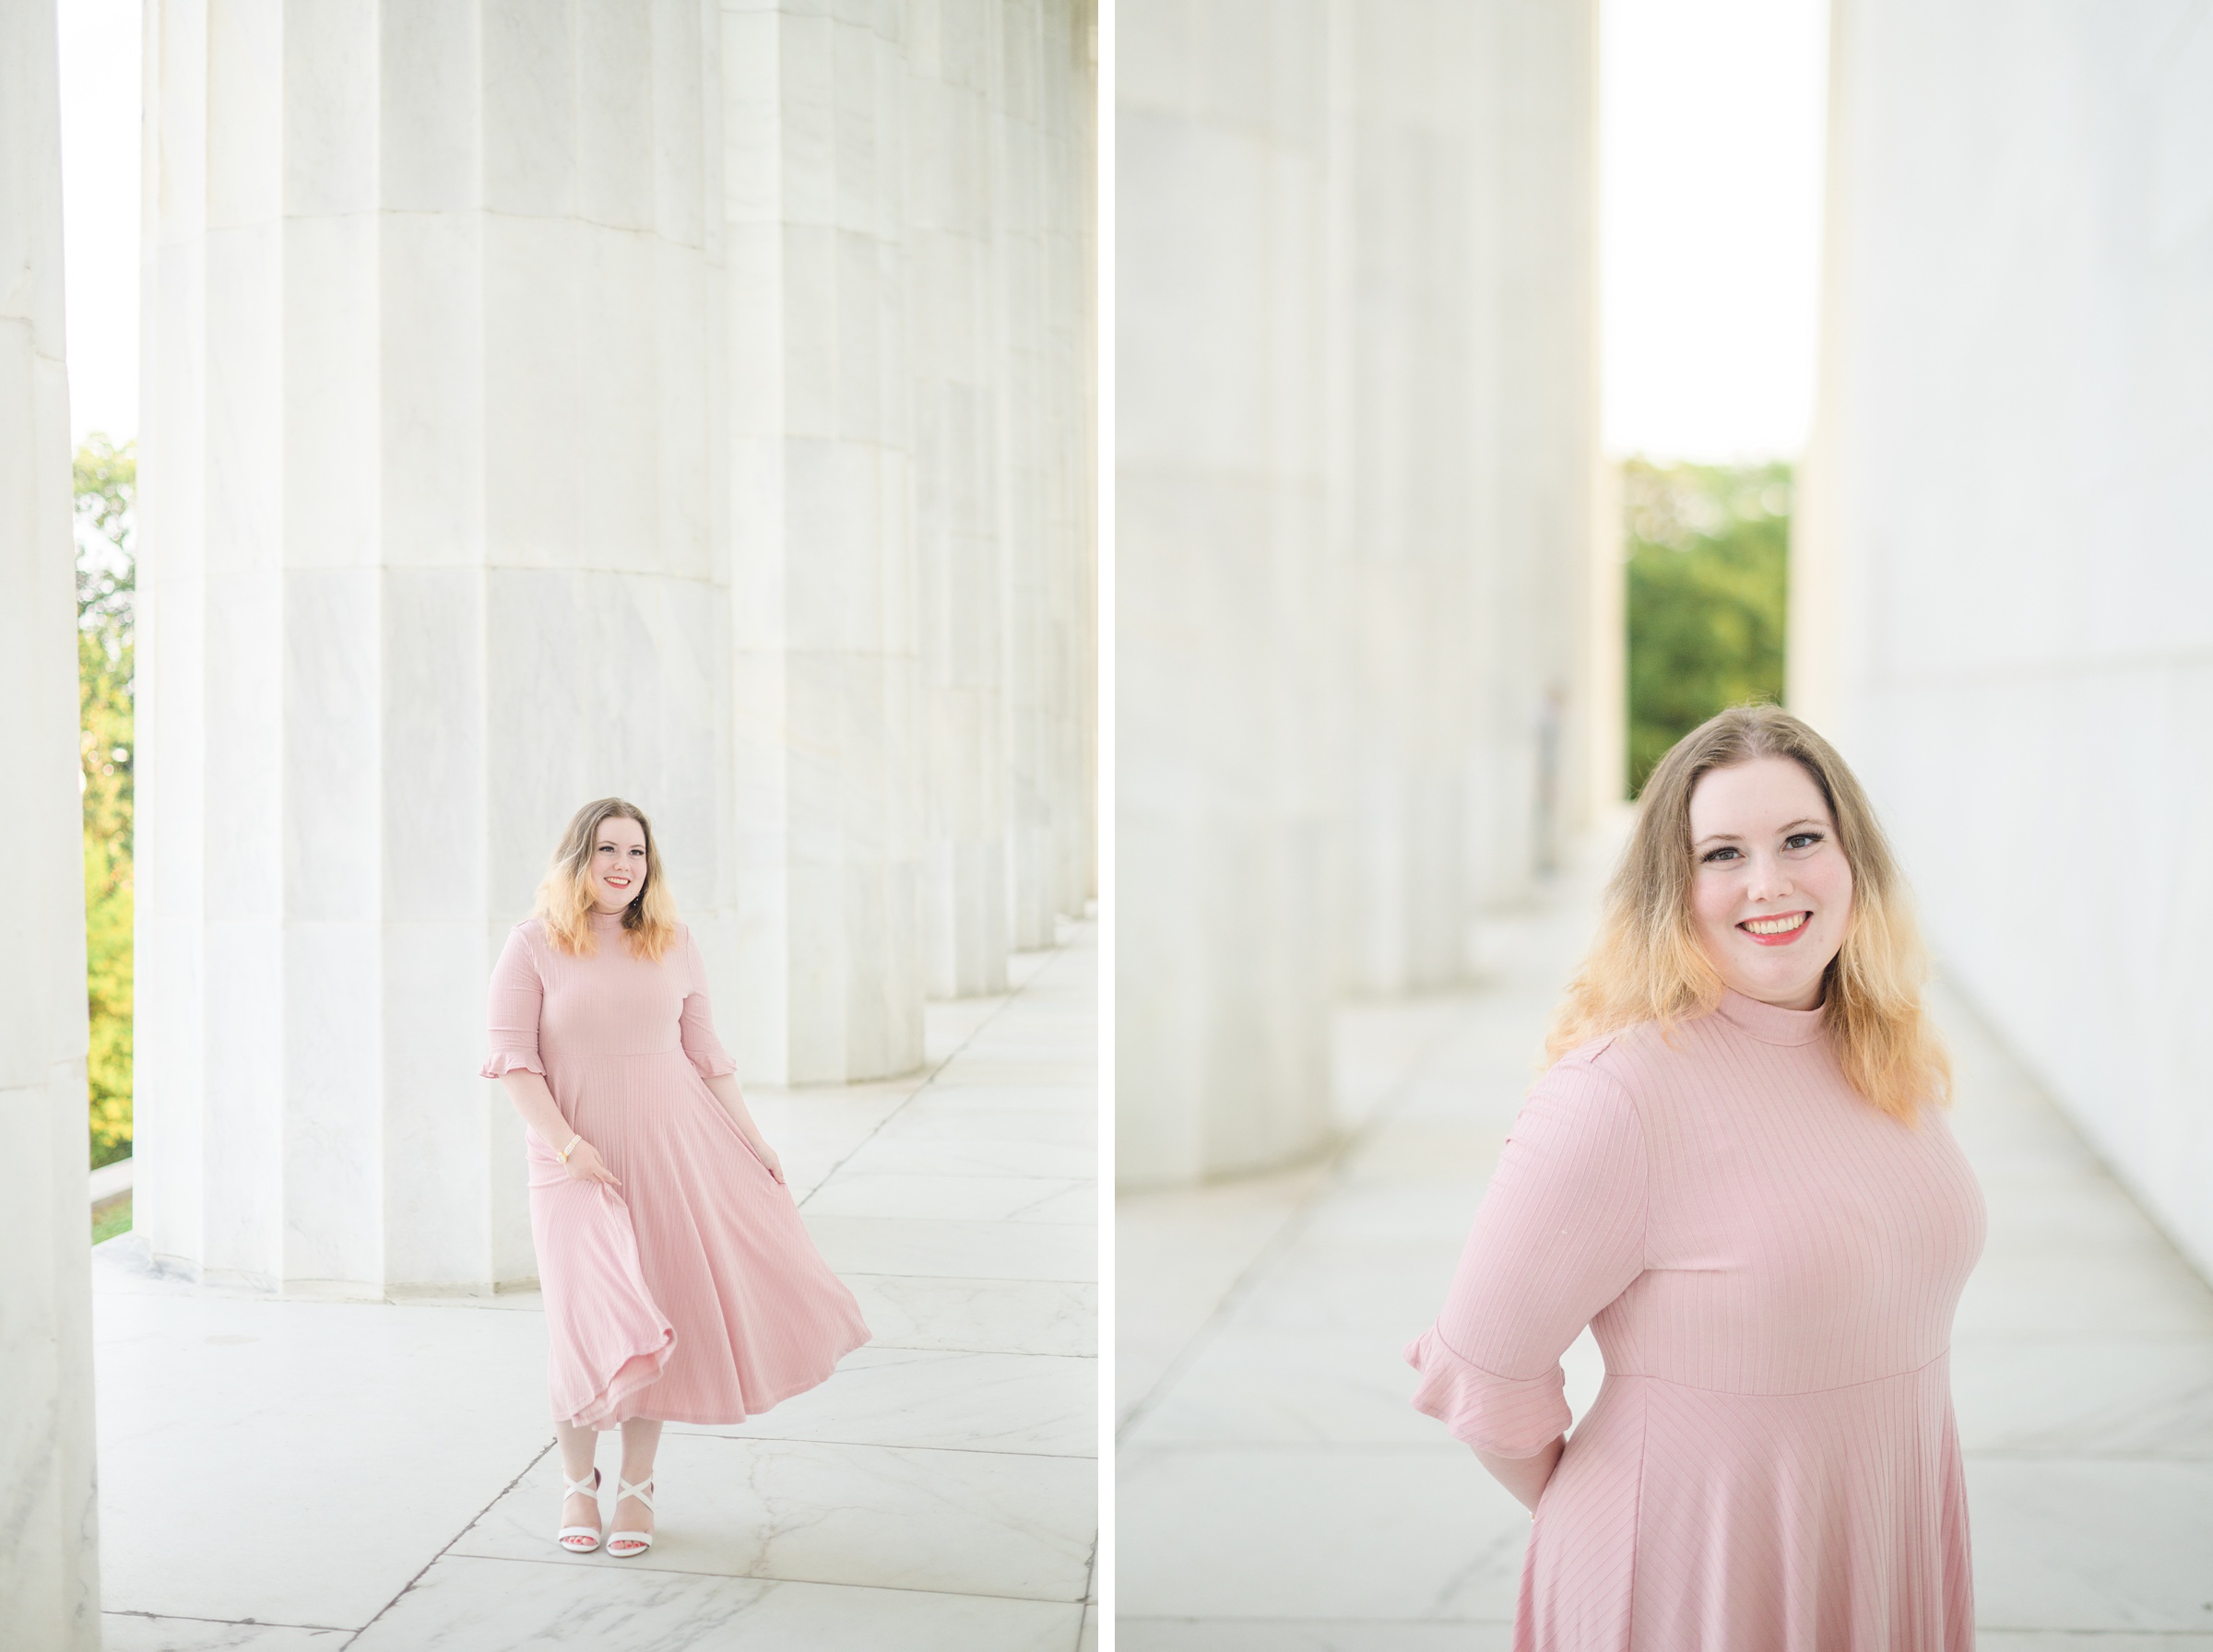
[[1769, 878]]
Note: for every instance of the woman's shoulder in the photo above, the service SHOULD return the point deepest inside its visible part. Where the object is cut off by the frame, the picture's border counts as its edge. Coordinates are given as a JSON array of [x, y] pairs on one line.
[[1624, 1061]]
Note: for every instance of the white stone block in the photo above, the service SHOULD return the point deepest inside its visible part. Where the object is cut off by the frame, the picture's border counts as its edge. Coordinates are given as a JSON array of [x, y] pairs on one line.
[[2000, 592]]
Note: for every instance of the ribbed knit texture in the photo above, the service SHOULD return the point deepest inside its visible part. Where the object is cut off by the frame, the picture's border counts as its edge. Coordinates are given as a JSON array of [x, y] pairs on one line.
[[693, 1294], [1770, 1265]]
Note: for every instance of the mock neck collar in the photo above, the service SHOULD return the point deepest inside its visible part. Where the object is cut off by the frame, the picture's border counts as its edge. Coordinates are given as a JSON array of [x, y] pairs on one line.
[[1771, 1023]]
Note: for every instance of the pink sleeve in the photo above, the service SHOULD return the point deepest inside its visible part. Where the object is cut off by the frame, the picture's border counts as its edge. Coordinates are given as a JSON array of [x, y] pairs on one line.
[[696, 1025], [517, 994], [1560, 1234]]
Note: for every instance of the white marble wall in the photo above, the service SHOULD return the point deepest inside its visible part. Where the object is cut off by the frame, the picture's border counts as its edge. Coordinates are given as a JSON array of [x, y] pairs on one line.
[[2002, 605], [49, 1551], [1357, 456], [531, 416]]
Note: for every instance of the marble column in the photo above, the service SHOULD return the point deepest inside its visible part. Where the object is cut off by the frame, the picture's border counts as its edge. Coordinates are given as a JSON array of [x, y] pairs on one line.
[[1225, 969], [1416, 157], [827, 698], [1359, 679], [49, 1550], [1546, 695], [951, 130], [429, 559]]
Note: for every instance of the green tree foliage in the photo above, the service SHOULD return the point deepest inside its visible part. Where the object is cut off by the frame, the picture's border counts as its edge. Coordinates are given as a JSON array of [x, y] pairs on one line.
[[1709, 551], [107, 478]]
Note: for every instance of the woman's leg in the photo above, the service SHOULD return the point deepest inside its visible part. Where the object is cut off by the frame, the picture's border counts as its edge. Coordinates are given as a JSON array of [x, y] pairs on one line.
[[577, 1447], [641, 1442]]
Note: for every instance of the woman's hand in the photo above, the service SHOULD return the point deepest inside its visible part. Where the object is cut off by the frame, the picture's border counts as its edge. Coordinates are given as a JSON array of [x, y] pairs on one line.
[[767, 1155], [587, 1165]]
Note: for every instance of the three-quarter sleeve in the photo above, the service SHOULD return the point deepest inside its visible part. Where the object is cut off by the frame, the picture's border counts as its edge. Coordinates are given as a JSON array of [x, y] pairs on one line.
[[517, 994], [1560, 1234], [696, 1023]]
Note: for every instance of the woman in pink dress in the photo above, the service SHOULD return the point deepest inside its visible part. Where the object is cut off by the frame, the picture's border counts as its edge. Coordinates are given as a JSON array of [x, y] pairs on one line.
[[1735, 1175], [679, 1284]]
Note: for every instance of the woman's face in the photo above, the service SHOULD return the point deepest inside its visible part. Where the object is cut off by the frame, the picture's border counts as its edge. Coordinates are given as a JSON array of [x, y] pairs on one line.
[[618, 862], [1770, 890]]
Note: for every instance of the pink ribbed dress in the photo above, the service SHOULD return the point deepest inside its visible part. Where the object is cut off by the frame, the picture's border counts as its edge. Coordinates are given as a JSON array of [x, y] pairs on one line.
[[1770, 1265], [693, 1294]]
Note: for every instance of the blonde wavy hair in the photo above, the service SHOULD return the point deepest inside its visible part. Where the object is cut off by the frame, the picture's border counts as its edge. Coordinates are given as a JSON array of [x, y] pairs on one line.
[[566, 896], [1647, 965]]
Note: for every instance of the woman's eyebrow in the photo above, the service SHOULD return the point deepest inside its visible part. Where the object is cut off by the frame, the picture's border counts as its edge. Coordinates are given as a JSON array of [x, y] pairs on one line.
[[1718, 837]]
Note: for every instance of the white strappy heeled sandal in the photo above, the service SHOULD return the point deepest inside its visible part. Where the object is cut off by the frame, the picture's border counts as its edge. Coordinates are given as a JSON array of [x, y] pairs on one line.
[[643, 1491], [579, 1539]]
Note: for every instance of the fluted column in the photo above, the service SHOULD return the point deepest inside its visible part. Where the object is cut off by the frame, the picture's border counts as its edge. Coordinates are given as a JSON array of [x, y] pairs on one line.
[[1357, 456], [428, 560], [1543, 666], [826, 699], [947, 153], [1414, 506], [49, 1552], [1223, 967]]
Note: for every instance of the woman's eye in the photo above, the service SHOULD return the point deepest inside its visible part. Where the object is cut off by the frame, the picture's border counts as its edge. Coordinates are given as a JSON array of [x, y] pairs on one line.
[[1721, 854], [1802, 840]]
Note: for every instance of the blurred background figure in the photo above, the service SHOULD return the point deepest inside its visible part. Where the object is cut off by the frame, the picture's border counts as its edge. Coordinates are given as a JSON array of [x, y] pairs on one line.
[[1900, 418]]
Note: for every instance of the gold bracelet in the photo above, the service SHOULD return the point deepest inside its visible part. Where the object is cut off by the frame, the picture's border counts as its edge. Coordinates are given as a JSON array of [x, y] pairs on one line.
[[563, 1153]]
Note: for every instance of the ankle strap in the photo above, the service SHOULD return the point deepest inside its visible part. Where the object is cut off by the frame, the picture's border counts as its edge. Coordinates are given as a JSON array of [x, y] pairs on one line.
[[582, 1488], [643, 1491]]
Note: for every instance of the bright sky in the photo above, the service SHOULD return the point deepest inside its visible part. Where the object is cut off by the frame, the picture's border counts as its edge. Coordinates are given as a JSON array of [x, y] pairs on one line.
[[100, 213], [1710, 131]]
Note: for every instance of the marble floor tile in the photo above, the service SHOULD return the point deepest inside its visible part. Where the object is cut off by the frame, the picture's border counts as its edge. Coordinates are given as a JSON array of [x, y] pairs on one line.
[[349, 1442], [2085, 1544], [1052, 1317], [1177, 1256], [957, 1199], [2037, 1398], [1280, 1634], [142, 1632], [277, 1471], [466, 1604], [1008, 1250], [952, 1154], [1253, 1387], [2148, 1295], [946, 1401], [1307, 1532], [960, 1522], [971, 1091]]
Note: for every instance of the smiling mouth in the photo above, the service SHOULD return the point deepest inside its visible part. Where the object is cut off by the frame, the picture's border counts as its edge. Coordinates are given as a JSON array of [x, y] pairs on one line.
[[1778, 930]]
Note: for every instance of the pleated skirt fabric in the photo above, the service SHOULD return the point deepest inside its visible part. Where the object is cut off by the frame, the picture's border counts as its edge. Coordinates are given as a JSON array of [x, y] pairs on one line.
[[719, 1306]]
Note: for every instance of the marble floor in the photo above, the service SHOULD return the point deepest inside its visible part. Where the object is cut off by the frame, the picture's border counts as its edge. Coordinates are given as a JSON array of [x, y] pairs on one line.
[[1278, 1494], [278, 1473]]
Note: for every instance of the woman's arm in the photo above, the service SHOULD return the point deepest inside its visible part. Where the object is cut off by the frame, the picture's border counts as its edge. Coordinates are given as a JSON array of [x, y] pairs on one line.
[[725, 1086], [1524, 1476], [531, 1098], [1559, 1235]]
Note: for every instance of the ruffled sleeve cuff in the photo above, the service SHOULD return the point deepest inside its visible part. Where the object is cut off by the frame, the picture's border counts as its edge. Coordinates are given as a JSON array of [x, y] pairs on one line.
[[1506, 1416], [502, 1062], [712, 1061]]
